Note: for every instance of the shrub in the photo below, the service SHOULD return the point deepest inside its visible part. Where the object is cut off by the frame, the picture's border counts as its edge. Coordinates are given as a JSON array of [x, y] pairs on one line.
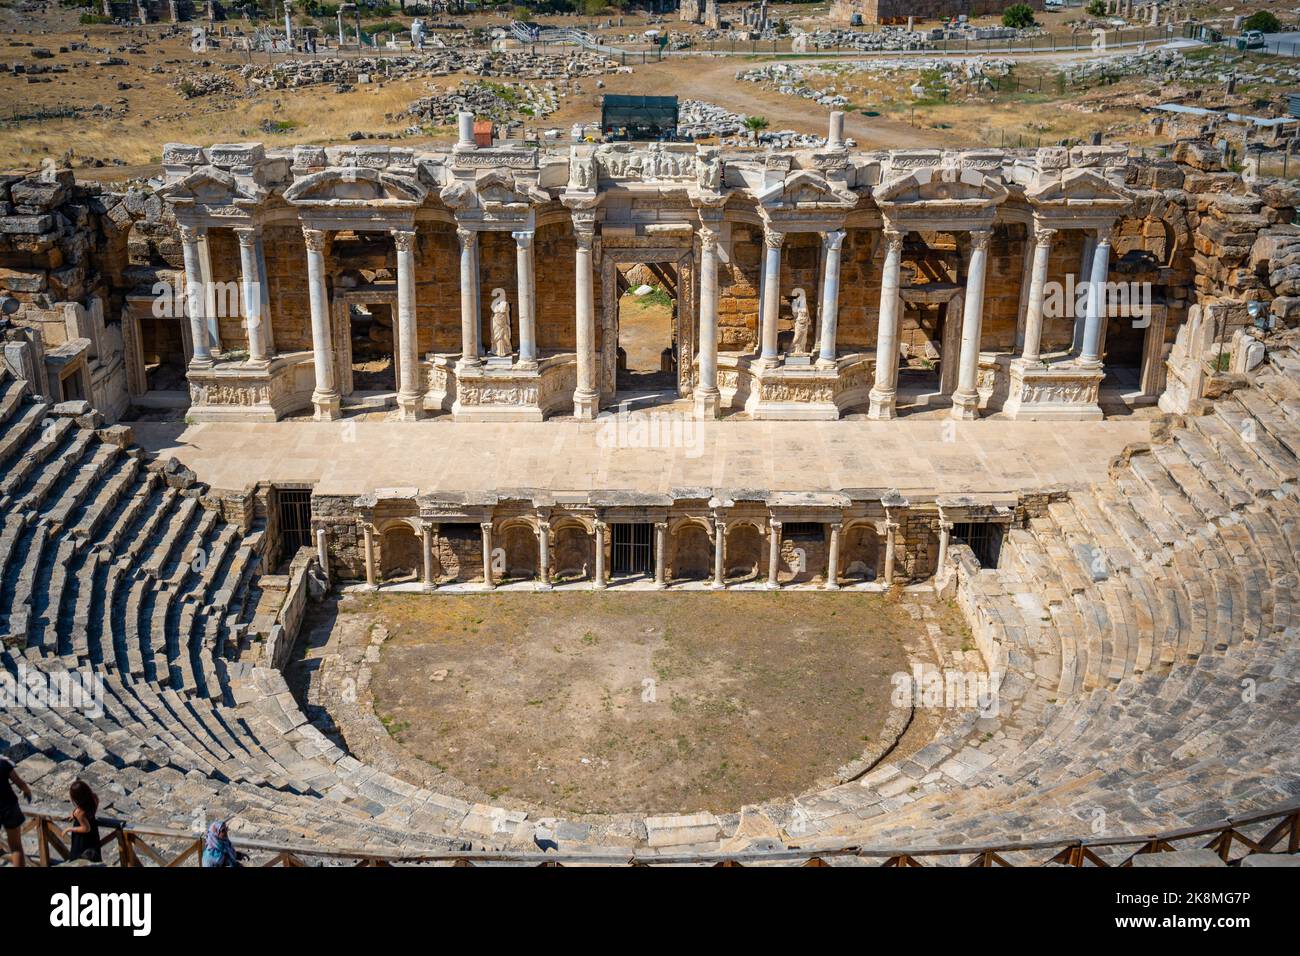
[[1096, 8], [1018, 17], [1263, 21]]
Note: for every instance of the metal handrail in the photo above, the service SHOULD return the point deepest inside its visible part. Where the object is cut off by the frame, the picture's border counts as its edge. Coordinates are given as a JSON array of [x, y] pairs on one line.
[[134, 845]]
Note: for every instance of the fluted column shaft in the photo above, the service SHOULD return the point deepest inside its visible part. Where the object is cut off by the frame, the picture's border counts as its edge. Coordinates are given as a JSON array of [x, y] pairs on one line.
[[410, 400], [708, 401], [325, 397], [251, 279], [772, 242], [661, 554], [426, 545], [526, 292], [1095, 316], [1037, 285], [884, 391], [830, 307], [719, 554], [965, 400], [194, 298], [601, 581], [833, 559], [469, 304], [544, 554], [486, 528], [586, 397]]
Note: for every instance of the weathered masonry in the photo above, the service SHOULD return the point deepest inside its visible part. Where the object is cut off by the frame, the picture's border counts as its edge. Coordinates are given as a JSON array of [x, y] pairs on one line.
[[792, 273]]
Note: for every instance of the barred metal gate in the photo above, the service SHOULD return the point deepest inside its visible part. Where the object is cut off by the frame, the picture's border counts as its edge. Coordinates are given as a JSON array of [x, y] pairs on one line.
[[984, 538], [632, 550], [295, 519]]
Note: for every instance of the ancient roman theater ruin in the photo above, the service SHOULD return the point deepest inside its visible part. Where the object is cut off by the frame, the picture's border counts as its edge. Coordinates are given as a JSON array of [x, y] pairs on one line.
[[881, 381]]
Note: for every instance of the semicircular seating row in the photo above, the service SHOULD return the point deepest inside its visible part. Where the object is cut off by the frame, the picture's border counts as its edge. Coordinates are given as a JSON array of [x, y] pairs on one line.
[[1146, 628]]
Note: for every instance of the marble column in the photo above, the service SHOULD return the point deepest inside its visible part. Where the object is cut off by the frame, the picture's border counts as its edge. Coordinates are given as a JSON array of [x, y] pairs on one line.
[[194, 297], [945, 537], [884, 391], [830, 307], [470, 330], [708, 399], [1037, 286], [586, 397], [526, 293], [772, 242], [891, 533], [661, 554], [486, 528], [323, 552], [601, 581], [773, 553], [372, 578], [410, 398], [251, 279], [966, 399], [833, 559], [1085, 271], [325, 397], [426, 545], [1095, 316], [544, 555], [719, 554]]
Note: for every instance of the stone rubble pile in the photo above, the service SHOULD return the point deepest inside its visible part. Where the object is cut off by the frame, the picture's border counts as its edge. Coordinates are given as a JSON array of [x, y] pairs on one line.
[[495, 101], [963, 76], [344, 73], [697, 119]]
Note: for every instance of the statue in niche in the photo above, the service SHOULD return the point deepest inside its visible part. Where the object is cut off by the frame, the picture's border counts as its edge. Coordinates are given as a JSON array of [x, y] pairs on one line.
[[501, 346], [802, 322]]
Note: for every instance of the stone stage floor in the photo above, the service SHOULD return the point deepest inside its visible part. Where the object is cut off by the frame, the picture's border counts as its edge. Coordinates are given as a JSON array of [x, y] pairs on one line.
[[930, 454]]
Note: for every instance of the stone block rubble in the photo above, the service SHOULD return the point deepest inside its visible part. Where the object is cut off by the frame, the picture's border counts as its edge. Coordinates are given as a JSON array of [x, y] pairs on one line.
[[698, 119], [495, 101]]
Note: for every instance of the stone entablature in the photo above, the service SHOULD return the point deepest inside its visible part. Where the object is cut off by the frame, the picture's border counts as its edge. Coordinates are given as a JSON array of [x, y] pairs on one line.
[[687, 205], [869, 538]]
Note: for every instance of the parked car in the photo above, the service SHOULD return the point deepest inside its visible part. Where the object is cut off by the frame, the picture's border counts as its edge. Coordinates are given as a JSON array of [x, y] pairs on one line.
[[1251, 40]]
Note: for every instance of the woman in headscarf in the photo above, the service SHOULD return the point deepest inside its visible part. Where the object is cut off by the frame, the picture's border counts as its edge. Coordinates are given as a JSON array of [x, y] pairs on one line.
[[84, 832], [218, 850]]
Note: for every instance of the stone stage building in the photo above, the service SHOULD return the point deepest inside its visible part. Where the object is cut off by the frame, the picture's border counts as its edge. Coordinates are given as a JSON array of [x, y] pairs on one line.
[[792, 272]]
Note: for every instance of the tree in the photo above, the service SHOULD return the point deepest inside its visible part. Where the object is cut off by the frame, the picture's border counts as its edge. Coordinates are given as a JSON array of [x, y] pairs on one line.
[[1097, 8], [755, 125], [1019, 16], [1263, 21]]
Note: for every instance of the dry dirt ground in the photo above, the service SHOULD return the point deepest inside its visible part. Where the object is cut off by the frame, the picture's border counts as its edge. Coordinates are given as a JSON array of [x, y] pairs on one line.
[[595, 703], [129, 111]]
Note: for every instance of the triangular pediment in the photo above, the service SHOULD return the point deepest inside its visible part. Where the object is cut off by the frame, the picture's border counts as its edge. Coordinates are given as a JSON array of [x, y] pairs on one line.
[[1076, 187], [355, 186], [208, 186], [958, 186]]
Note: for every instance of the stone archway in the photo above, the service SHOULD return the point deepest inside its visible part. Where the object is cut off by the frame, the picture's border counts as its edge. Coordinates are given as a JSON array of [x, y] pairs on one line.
[[692, 558], [860, 553], [399, 552], [745, 554], [573, 554], [519, 543]]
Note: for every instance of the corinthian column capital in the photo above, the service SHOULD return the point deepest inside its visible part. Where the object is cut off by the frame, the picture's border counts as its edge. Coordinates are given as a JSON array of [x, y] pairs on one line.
[[1044, 236], [315, 239], [773, 239], [404, 240], [980, 238]]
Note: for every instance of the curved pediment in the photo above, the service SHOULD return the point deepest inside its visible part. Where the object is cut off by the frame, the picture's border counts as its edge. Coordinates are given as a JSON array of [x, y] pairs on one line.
[[958, 187], [497, 188], [1077, 187], [355, 186], [210, 186]]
